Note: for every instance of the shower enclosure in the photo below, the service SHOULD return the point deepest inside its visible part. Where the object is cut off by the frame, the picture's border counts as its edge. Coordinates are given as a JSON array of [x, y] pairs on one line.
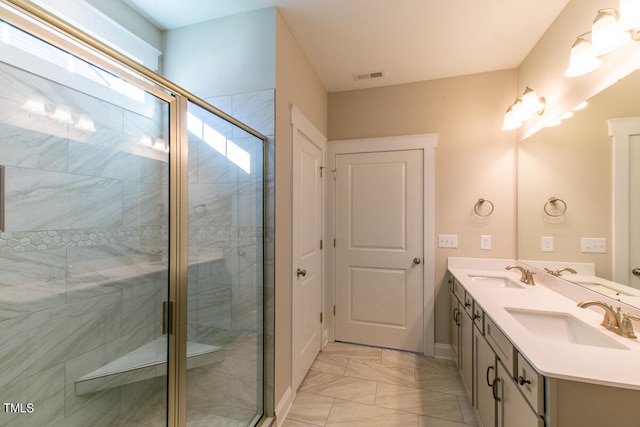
[[131, 244]]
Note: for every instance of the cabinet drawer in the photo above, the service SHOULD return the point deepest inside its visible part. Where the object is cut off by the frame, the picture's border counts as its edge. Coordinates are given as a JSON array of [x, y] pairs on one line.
[[478, 317], [500, 344], [467, 302], [531, 384], [458, 290]]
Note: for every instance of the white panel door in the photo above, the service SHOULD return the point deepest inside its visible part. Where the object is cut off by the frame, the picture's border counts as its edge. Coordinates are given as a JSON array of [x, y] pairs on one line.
[[307, 255], [379, 249]]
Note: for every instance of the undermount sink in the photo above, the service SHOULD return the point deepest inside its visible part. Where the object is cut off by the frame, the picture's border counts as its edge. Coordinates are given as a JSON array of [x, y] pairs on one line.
[[495, 281], [559, 326]]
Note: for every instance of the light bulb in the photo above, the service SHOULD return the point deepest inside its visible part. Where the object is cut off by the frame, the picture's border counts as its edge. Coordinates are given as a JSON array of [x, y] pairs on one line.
[[607, 33]]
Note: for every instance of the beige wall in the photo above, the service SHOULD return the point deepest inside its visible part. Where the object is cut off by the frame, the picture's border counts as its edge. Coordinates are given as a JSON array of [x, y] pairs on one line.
[[474, 157], [296, 83]]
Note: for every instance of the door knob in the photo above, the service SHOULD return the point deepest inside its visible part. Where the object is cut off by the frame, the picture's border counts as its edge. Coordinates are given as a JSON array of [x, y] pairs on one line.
[[417, 260], [636, 271], [301, 272]]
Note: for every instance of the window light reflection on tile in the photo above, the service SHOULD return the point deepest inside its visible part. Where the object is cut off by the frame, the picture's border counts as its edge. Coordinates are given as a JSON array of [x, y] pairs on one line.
[[219, 142]]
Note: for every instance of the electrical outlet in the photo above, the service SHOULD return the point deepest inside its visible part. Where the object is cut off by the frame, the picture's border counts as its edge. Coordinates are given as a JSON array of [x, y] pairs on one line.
[[447, 240], [597, 245], [485, 241], [547, 243]]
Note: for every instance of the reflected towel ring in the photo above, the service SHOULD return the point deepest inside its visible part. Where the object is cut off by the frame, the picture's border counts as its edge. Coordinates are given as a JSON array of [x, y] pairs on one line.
[[478, 205], [552, 202]]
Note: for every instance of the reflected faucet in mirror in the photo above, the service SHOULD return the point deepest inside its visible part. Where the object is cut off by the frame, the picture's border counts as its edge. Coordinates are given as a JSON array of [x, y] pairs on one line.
[[526, 275], [559, 271]]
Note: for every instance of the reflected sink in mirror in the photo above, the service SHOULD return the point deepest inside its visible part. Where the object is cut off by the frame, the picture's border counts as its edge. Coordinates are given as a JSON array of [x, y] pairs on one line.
[[559, 326], [495, 281]]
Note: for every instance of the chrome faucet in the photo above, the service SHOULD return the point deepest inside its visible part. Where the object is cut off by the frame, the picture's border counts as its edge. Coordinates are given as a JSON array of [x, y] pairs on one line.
[[559, 271], [526, 275], [614, 320]]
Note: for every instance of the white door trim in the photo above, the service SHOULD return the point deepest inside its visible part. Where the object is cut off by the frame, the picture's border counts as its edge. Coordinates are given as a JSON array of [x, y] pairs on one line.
[[621, 130], [427, 143], [300, 124]]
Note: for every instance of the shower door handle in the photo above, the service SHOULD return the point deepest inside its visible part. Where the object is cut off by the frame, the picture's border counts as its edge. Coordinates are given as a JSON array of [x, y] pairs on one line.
[[167, 315], [2, 198]]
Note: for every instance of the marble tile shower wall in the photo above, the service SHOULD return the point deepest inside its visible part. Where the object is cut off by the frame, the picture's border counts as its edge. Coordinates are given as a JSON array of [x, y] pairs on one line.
[[226, 219], [85, 221]]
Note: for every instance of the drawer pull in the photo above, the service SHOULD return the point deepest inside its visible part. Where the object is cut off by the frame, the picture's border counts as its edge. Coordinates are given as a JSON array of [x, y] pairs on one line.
[[494, 387], [489, 383], [522, 380]]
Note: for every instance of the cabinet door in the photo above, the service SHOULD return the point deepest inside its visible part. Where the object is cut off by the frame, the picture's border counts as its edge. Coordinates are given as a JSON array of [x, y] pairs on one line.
[[466, 352], [455, 328], [485, 373], [513, 409]]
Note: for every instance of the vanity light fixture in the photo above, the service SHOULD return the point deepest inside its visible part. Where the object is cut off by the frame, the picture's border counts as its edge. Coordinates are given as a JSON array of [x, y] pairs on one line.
[[85, 123], [523, 109], [582, 60], [62, 114], [35, 104], [630, 15], [610, 31], [607, 33]]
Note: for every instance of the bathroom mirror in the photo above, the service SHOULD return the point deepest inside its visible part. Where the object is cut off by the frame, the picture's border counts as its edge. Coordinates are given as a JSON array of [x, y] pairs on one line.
[[565, 193]]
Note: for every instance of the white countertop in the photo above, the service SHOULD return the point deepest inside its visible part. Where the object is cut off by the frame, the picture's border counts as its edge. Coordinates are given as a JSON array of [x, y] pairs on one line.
[[550, 357]]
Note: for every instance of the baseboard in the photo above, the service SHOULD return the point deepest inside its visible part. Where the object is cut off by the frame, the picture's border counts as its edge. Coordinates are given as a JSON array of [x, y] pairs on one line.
[[443, 351], [283, 407]]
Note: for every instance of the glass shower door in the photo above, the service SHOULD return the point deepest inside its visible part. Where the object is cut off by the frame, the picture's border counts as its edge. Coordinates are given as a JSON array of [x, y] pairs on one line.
[[83, 242], [225, 275]]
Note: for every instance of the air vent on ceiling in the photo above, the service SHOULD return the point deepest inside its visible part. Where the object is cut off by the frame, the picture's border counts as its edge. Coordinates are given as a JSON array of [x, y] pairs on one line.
[[367, 76]]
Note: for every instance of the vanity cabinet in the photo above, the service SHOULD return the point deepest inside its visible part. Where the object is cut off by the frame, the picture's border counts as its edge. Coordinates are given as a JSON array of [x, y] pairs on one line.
[[507, 391], [487, 361], [462, 333], [512, 407], [485, 374]]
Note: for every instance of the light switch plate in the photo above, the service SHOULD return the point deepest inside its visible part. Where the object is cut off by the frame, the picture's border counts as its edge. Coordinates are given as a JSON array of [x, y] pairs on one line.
[[597, 245], [447, 240]]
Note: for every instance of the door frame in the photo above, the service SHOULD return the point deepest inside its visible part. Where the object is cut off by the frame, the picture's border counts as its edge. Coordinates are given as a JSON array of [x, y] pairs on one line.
[[300, 124], [425, 142], [621, 130]]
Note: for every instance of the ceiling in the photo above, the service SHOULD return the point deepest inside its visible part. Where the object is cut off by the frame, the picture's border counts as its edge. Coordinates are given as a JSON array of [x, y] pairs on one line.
[[408, 40]]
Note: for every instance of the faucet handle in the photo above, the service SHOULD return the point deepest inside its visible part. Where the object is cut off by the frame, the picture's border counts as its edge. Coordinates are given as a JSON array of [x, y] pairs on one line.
[[627, 325], [609, 320]]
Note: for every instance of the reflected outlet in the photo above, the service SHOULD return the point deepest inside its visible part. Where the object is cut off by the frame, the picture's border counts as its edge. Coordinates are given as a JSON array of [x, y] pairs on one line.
[[547, 243]]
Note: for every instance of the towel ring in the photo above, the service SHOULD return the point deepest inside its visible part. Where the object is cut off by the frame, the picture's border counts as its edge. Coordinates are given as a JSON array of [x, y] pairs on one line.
[[478, 205], [552, 202]]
